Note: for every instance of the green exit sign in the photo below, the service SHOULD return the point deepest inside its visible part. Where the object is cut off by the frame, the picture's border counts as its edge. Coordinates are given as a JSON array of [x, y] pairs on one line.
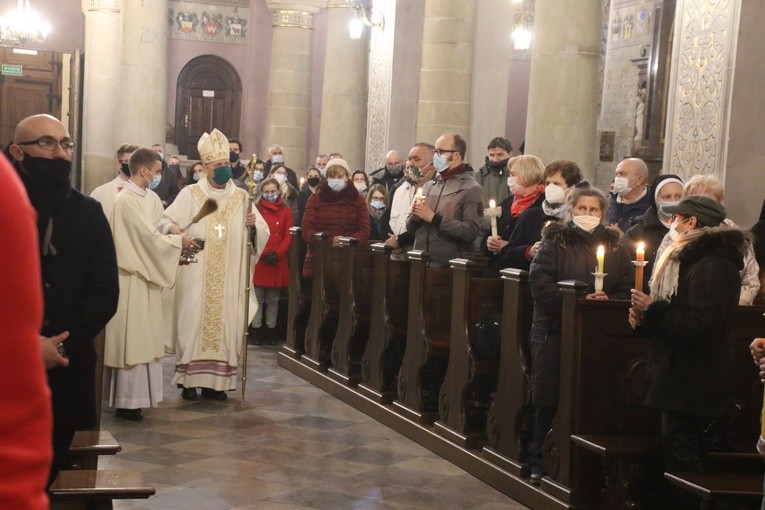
[[11, 70]]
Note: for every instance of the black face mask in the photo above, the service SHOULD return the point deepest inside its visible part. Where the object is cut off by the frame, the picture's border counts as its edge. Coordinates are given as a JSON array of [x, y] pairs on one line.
[[394, 170], [49, 174], [314, 181], [125, 168], [497, 165], [233, 157]]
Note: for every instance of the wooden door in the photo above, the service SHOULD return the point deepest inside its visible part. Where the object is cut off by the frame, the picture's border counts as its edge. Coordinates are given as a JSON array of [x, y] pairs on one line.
[[208, 95], [37, 90]]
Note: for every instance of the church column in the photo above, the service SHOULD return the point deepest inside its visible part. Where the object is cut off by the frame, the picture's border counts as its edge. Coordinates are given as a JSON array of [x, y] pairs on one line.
[[143, 99], [101, 90], [562, 117], [289, 90], [344, 98], [447, 67]]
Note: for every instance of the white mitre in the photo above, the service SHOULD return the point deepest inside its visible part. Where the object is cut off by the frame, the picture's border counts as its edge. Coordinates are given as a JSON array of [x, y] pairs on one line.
[[213, 147]]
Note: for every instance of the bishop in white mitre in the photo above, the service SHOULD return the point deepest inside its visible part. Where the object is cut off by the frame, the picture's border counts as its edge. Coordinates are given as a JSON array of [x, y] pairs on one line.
[[147, 262], [208, 312]]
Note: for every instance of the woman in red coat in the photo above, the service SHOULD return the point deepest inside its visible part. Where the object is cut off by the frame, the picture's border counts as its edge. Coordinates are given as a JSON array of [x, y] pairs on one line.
[[337, 209], [272, 271]]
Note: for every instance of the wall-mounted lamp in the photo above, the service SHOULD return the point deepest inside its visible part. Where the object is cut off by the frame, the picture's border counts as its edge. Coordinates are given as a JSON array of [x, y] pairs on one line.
[[361, 18], [521, 34]]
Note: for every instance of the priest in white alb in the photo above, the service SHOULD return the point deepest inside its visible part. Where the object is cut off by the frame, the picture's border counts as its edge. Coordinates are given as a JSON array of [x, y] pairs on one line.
[[208, 318], [148, 262]]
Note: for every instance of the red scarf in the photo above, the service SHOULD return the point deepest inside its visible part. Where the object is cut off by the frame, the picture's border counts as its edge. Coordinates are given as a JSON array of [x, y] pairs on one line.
[[520, 204]]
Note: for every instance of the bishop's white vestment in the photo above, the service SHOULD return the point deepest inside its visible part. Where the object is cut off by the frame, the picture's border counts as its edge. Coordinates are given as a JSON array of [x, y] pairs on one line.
[[208, 312]]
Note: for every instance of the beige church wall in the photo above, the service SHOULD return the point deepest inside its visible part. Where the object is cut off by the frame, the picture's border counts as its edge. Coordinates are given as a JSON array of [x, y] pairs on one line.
[[517, 99], [251, 62], [406, 78], [492, 51], [629, 35], [743, 174]]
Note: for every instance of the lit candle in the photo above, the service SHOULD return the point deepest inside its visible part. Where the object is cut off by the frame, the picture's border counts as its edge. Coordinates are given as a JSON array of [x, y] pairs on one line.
[[601, 255], [493, 218], [640, 258], [302, 181], [419, 196]]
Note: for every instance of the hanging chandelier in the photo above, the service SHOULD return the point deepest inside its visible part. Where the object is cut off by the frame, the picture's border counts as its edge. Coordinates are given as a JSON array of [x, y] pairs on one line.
[[23, 25]]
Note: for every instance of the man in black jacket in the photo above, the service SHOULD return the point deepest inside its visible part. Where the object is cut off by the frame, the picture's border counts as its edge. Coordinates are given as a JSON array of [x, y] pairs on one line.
[[391, 173], [690, 312], [79, 273]]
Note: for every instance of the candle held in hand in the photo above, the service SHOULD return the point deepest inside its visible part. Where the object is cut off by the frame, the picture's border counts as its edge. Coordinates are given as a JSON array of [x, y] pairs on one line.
[[601, 255], [640, 253], [639, 259], [493, 218]]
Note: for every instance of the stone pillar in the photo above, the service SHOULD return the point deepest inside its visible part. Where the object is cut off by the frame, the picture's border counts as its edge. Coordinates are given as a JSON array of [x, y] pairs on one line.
[[141, 115], [289, 90], [562, 117], [101, 90], [446, 73], [344, 97]]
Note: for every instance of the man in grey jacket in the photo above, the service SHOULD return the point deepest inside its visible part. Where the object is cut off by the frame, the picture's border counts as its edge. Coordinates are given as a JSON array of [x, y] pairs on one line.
[[447, 221]]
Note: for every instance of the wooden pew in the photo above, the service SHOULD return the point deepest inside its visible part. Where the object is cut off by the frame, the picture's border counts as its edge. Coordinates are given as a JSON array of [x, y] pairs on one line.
[[603, 372], [427, 340], [470, 380], [95, 489], [299, 307], [510, 421], [356, 293], [388, 322], [328, 272], [88, 445]]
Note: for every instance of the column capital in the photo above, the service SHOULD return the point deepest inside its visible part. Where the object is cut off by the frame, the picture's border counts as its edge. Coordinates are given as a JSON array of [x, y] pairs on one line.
[[339, 4], [294, 19], [101, 5]]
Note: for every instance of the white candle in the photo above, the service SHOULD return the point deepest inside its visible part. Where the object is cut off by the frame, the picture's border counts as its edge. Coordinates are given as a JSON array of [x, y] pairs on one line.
[[493, 218], [601, 254]]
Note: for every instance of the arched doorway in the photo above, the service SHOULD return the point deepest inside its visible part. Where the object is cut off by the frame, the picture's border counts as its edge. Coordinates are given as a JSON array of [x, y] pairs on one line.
[[208, 95]]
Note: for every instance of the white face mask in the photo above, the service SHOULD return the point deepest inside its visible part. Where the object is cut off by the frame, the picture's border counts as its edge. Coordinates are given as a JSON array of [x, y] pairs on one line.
[[586, 222], [277, 158], [673, 233], [360, 186], [337, 184], [280, 178], [512, 184], [554, 194], [622, 186]]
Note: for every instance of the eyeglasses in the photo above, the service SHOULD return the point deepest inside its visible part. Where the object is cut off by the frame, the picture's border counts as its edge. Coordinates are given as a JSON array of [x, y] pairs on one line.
[[49, 144], [440, 152]]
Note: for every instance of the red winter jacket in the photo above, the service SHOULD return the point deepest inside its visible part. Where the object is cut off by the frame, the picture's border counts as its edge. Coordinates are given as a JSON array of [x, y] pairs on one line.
[[343, 213], [279, 219]]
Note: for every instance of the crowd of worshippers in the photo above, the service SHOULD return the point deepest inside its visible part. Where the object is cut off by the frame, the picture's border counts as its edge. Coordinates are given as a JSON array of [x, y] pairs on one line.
[[161, 263]]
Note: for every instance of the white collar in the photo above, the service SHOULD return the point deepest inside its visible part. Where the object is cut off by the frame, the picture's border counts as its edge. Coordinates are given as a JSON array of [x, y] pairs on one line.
[[135, 188]]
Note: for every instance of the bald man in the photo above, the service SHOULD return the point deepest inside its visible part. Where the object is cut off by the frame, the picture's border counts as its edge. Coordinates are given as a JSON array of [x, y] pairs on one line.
[[79, 274], [391, 173], [631, 198]]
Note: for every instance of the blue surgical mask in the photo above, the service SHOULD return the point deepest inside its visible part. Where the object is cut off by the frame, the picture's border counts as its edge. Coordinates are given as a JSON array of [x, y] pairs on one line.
[[257, 175], [337, 184], [222, 174], [271, 196], [197, 177], [440, 163], [277, 158], [155, 181], [377, 204], [664, 205]]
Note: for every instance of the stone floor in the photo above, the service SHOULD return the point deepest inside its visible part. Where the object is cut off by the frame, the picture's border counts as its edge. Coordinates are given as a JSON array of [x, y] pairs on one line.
[[289, 446]]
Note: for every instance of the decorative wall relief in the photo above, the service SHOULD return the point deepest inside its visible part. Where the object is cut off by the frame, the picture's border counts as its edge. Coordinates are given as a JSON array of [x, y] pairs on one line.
[[226, 23], [380, 83], [700, 85]]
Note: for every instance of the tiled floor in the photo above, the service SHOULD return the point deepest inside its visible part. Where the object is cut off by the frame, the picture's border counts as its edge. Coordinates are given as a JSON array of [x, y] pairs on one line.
[[290, 446]]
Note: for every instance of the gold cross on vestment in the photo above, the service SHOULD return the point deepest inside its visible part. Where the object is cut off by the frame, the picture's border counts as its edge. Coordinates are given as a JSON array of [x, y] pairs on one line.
[[220, 230]]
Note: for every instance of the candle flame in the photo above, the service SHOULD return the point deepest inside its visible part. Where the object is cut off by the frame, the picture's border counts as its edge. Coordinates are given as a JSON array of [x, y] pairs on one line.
[[492, 204], [641, 246], [601, 250]]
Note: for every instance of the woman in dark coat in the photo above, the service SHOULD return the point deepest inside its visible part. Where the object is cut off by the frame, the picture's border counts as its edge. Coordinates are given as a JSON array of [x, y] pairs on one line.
[[667, 190], [312, 181], [527, 191], [568, 252], [560, 177], [693, 303], [272, 272], [337, 209]]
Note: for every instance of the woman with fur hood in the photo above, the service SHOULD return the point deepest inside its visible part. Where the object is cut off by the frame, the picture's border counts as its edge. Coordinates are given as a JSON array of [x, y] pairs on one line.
[[690, 311], [568, 252]]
